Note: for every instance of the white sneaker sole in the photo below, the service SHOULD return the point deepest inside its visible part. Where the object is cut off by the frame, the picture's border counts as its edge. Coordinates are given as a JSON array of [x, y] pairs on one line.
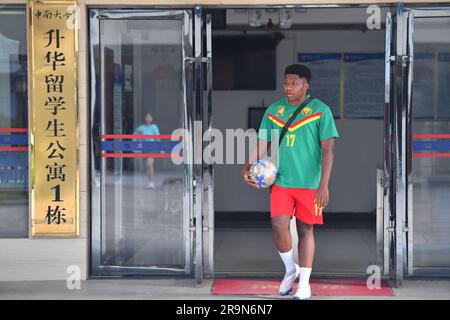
[[297, 273], [295, 297]]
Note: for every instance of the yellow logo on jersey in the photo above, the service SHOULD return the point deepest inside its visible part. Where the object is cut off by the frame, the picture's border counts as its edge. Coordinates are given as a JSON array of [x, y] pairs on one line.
[[280, 111], [306, 111]]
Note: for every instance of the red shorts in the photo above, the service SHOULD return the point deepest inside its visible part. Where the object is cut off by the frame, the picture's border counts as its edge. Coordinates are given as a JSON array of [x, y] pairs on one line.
[[295, 201]]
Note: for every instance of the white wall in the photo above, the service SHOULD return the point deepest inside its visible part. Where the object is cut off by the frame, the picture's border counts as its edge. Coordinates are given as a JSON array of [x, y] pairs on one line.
[[358, 154], [41, 259], [302, 16]]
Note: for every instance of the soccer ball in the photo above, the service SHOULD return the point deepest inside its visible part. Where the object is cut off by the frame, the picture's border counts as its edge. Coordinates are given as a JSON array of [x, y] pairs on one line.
[[264, 173]]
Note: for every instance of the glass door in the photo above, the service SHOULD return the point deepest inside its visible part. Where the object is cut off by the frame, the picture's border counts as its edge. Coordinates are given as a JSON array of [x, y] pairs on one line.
[[417, 183], [428, 154], [142, 90]]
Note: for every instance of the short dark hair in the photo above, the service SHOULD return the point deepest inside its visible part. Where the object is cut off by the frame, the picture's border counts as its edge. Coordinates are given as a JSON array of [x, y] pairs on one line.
[[299, 69]]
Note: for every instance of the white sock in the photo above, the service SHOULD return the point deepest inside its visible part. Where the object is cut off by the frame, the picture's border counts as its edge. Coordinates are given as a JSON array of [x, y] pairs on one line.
[[304, 277], [288, 260]]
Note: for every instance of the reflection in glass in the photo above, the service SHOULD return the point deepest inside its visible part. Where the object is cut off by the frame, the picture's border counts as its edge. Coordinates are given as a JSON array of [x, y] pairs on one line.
[[13, 123], [142, 189], [431, 172]]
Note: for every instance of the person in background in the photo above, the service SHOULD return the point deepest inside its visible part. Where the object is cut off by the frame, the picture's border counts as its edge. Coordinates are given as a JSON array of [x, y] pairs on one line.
[[149, 128]]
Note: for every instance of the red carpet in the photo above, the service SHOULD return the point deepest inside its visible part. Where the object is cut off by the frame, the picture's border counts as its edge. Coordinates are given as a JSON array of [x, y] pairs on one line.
[[318, 287]]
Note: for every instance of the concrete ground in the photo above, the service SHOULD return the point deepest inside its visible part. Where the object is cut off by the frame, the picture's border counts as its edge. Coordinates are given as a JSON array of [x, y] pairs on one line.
[[186, 289]]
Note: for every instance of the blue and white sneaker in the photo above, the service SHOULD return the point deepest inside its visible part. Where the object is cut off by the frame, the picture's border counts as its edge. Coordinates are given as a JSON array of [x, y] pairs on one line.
[[303, 293], [288, 282]]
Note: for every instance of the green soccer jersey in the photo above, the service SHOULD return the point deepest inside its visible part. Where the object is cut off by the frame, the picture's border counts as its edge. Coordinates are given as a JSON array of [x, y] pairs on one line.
[[300, 153]]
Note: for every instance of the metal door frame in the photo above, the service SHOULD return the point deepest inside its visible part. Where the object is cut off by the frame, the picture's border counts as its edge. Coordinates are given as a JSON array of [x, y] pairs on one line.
[[383, 230], [208, 171], [203, 172], [203, 31], [97, 111], [401, 104], [388, 208], [398, 72]]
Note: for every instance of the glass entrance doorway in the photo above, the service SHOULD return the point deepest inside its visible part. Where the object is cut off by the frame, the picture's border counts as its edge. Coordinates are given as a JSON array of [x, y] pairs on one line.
[[141, 199], [151, 74], [347, 75]]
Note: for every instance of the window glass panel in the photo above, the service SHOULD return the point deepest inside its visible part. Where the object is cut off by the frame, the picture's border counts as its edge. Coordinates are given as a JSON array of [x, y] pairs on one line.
[[13, 123]]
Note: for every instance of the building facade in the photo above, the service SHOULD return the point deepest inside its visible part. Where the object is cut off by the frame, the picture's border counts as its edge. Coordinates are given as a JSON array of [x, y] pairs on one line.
[[383, 66]]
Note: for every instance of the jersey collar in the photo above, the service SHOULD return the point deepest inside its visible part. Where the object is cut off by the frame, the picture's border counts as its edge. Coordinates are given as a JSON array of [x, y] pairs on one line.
[[288, 105]]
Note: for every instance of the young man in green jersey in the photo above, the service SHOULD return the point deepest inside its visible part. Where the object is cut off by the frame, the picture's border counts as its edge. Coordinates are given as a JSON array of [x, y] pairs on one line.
[[304, 168]]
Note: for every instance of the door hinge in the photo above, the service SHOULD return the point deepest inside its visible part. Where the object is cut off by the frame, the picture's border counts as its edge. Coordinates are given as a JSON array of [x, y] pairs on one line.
[[392, 229], [200, 59], [192, 225], [405, 61]]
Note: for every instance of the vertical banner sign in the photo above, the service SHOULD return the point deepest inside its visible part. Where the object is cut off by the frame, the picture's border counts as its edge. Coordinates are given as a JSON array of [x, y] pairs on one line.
[[54, 119]]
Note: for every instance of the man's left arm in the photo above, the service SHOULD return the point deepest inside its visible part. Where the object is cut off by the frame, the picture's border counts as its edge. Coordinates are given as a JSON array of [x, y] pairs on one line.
[[322, 194]]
